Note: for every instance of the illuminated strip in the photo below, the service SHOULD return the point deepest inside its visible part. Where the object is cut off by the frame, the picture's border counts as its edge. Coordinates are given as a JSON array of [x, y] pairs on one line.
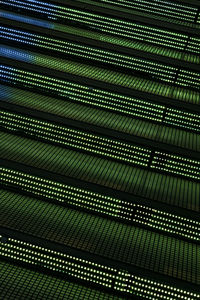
[[147, 288], [182, 119], [156, 291], [29, 20], [175, 164], [58, 261], [99, 36], [95, 202], [163, 8], [193, 45], [100, 74], [142, 46], [94, 144], [105, 24], [77, 139], [162, 71], [99, 236], [189, 78], [15, 277], [83, 94], [76, 93], [100, 171]]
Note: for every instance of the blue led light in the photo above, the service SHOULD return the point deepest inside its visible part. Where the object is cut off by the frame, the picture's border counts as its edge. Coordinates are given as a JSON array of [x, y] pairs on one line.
[[5, 78], [16, 35], [40, 3], [19, 36], [29, 5], [11, 31], [7, 74], [16, 54], [19, 40], [7, 68], [32, 21], [49, 14]]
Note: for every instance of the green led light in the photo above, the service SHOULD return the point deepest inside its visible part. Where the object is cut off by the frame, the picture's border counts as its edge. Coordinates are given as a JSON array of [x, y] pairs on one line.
[[162, 71], [166, 9], [78, 268], [91, 272], [103, 204], [112, 77], [176, 164], [118, 213], [188, 78], [183, 119], [124, 28], [151, 289], [96, 98], [76, 139], [99, 145], [64, 193], [21, 282], [136, 83], [96, 170], [82, 94]]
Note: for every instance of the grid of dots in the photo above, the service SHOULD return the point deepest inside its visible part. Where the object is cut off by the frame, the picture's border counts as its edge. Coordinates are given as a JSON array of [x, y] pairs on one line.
[[85, 95], [100, 236], [18, 282], [100, 145], [105, 24], [102, 204], [116, 213], [119, 280], [112, 174]]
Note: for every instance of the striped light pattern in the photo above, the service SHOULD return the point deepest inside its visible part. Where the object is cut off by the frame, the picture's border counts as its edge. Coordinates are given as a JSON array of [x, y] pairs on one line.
[[100, 74], [105, 205]]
